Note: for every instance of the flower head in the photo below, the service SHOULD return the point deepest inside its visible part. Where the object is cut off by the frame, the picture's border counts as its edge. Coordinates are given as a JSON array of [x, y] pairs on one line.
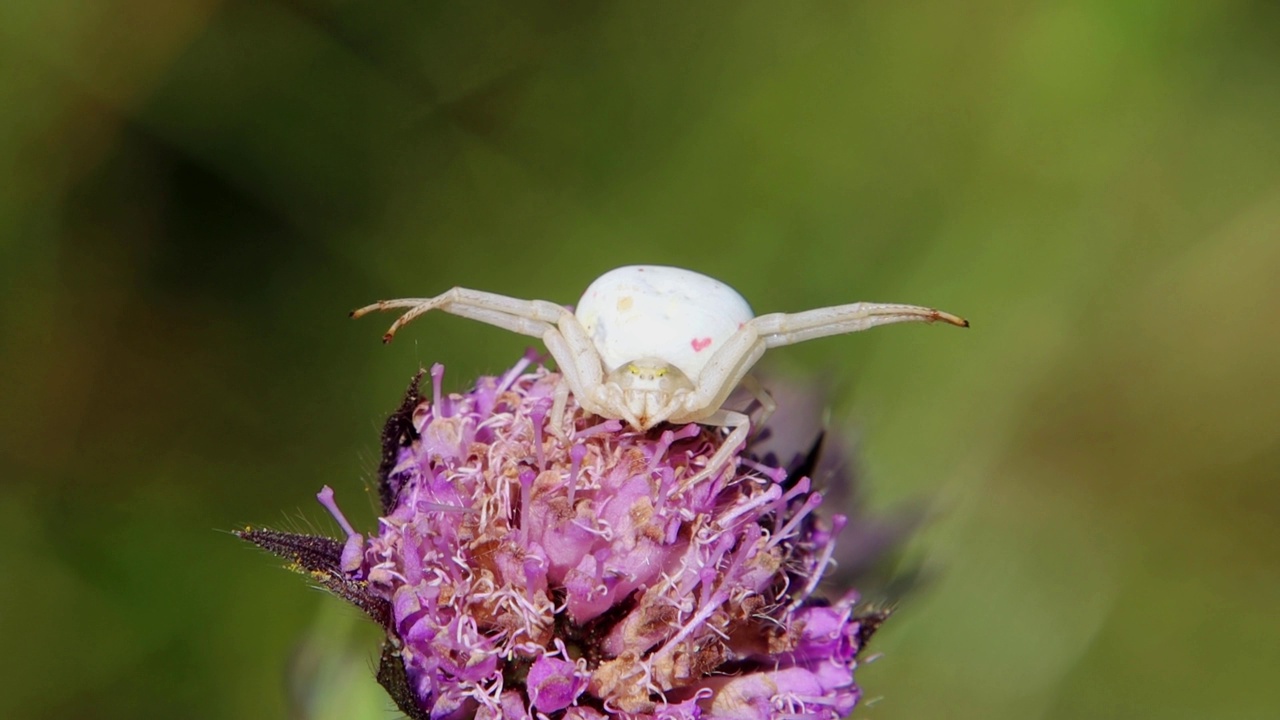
[[594, 571]]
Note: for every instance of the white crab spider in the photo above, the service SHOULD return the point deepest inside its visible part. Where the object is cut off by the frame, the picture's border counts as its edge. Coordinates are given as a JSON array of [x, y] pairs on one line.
[[650, 344]]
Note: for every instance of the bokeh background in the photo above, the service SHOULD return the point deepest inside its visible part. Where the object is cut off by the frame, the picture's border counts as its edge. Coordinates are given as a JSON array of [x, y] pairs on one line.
[[193, 195]]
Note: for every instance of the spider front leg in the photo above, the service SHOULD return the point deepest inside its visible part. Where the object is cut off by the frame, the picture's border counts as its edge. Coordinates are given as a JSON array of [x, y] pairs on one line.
[[526, 317], [778, 329], [566, 340]]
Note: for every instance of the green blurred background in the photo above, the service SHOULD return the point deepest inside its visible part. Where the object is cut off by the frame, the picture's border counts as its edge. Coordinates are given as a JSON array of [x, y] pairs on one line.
[[193, 195]]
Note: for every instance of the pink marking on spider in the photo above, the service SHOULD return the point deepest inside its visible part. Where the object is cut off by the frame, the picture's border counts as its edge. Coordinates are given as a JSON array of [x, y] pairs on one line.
[[700, 344]]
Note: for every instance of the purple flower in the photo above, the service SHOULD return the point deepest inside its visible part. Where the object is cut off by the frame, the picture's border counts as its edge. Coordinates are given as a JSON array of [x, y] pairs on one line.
[[519, 573]]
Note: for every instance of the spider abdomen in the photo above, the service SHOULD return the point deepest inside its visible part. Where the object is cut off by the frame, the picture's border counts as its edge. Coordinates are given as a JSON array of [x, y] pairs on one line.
[[647, 311]]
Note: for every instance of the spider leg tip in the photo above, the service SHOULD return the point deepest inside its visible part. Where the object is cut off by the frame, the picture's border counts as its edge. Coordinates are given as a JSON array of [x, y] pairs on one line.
[[949, 319]]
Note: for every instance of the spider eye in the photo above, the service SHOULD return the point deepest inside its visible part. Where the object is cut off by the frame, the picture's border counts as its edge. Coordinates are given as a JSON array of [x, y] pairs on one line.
[[653, 372], [649, 375]]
